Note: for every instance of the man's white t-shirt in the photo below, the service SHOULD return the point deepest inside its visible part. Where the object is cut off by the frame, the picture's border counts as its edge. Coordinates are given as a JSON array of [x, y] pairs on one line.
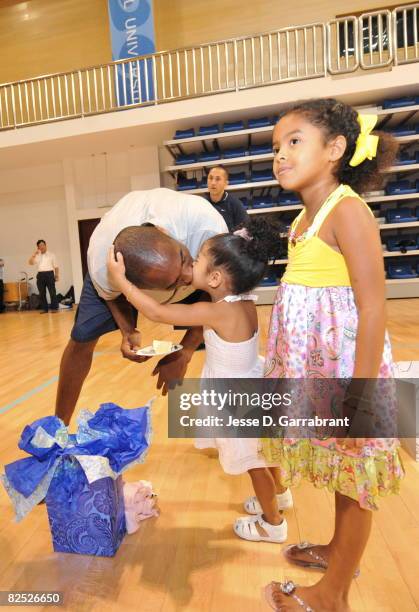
[[188, 218], [46, 262]]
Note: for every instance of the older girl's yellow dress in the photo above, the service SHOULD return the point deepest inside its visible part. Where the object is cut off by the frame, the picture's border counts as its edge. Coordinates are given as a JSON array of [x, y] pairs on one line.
[[312, 334]]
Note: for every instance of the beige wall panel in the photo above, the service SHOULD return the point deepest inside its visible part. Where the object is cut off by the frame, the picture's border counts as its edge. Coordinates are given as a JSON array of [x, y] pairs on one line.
[[45, 36], [191, 22]]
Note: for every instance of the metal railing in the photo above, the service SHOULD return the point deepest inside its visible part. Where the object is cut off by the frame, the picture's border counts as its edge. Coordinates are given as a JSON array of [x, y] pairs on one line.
[[289, 54], [375, 35], [406, 41], [342, 45], [374, 40]]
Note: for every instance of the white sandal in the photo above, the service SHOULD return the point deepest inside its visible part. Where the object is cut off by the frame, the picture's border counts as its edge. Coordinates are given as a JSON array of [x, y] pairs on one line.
[[245, 527], [285, 501]]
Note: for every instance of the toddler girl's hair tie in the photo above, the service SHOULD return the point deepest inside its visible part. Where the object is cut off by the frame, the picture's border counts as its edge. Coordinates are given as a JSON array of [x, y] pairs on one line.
[[243, 233], [366, 143]]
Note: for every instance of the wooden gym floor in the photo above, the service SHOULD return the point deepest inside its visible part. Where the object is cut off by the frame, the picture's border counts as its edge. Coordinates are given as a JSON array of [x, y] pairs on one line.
[[188, 558]]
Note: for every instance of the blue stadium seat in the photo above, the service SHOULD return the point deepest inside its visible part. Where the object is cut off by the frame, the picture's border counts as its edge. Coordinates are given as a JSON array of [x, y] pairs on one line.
[[205, 130], [236, 152], [405, 159], [188, 133], [260, 149], [207, 156], [262, 175], [417, 157], [262, 201], [403, 130], [257, 123], [269, 280], [245, 202], [185, 159], [404, 243], [187, 184], [401, 270], [233, 126], [288, 197], [235, 178], [400, 102], [401, 215], [400, 188]]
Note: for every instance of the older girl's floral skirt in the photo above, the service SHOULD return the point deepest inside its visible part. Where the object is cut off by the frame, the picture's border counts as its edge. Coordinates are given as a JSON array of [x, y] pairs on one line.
[[313, 335]]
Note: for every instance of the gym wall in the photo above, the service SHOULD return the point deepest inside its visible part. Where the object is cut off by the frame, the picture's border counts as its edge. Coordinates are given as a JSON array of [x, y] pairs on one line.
[[46, 36]]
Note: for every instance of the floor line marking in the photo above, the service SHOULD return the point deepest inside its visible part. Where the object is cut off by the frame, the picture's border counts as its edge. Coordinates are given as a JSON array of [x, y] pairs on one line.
[[28, 394], [41, 387]]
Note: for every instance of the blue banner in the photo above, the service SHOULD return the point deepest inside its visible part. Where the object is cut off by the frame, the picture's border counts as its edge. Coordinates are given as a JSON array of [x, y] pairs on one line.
[[132, 32]]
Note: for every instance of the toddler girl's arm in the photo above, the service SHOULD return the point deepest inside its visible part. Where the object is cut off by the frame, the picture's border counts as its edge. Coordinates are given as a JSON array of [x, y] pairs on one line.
[[202, 313]]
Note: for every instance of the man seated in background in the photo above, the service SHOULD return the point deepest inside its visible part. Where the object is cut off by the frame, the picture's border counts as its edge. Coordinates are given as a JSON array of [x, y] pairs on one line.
[[229, 206]]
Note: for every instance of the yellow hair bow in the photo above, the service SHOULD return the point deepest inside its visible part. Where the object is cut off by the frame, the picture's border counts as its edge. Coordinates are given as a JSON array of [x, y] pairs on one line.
[[366, 143]]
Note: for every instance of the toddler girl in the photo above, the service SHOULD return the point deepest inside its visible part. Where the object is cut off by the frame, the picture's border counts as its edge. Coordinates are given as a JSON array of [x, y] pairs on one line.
[[227, 268]]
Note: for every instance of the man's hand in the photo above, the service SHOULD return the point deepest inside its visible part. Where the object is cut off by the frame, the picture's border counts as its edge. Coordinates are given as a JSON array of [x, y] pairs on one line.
[[33, 256], [171, 369], [130, 343]]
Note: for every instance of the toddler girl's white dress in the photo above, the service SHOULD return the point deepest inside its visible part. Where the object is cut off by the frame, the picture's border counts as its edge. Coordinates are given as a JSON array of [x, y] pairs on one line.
[[233, 360]]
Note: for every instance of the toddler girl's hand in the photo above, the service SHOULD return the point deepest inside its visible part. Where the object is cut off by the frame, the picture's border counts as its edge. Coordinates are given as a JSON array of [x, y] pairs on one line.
[[116, 269]]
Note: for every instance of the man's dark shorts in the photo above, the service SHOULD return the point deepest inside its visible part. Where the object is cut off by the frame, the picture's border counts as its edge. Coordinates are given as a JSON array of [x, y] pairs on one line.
[[93, 317]]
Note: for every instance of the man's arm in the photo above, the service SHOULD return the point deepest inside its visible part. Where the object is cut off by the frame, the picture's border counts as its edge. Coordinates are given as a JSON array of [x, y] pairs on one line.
[[124, 317], [56, 270], [32, 258], [172, 368]]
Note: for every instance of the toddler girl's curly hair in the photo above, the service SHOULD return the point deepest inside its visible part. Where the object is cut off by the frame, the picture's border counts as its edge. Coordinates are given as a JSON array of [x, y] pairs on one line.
[[245, 256]]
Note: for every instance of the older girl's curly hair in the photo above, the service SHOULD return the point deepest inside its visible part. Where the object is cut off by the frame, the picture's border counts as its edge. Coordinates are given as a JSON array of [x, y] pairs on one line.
[[335, 118]]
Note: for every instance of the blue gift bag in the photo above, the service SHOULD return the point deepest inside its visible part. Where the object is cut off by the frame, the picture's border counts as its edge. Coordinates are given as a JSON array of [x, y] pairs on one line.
[[84, 518], [80, 475]]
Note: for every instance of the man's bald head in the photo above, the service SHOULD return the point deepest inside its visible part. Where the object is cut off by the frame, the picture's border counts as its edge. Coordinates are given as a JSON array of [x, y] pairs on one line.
[[153, 260]]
